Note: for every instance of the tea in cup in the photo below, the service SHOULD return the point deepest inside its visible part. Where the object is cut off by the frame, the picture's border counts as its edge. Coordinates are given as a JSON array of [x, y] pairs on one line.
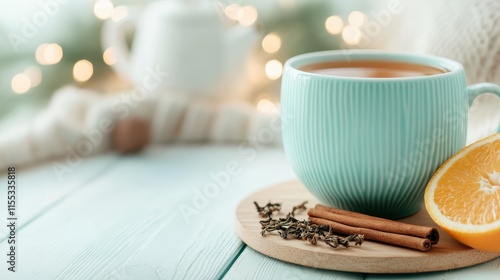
[[366, 130]]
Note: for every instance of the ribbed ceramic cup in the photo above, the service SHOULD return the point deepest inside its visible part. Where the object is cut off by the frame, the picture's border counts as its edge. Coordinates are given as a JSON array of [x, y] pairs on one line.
[[372, 144]]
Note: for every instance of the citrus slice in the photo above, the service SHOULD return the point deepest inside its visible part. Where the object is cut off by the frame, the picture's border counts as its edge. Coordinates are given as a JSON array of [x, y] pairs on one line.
[[463, 196]]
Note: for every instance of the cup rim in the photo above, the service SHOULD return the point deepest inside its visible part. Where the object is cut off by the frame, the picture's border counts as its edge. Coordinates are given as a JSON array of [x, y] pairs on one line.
[[452, 66]]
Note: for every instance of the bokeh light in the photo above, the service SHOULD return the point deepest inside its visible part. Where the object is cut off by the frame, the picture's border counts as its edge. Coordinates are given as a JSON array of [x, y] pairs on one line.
[[351, 35], [103, 9], [83, 70], [109, 56], [20, 83], [34, 74], [357, 18], [266, 106], [40, 53], [247, 15], [53, 53], [47, 54], [274, 69], [334, 25], [119, 13], [232, 11], [271, 43]]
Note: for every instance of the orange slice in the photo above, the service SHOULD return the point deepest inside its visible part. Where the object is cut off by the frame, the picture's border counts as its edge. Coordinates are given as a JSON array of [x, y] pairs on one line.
[[463, 196]]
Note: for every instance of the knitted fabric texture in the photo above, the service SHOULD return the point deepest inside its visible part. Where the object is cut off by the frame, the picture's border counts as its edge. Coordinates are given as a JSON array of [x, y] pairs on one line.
[[469, 32]]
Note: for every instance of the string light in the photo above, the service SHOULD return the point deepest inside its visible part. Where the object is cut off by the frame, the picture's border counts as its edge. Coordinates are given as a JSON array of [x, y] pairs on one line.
[[274, 69], [334, 25], [20, 83], [109, 56], [103, 9], [83, 70], [232, 11], [266, 106], [357, 18], [351, 35], [34, 74], [247, 15], [271, 43], [119, 13]]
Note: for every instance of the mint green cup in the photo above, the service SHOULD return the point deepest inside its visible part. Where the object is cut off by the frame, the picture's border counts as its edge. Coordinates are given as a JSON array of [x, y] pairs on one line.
[[372, 144]]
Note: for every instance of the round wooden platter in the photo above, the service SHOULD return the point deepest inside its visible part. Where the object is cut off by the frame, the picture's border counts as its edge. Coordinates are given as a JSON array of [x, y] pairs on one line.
[[371, 257]]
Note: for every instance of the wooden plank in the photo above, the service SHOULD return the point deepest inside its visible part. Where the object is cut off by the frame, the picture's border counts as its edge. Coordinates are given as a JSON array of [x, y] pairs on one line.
[[253, 265], [39, 187], [487, 271], [128, 223]]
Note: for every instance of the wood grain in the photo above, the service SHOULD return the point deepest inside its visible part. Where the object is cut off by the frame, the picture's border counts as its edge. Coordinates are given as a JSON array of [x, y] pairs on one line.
[[126, 223], [39, 188], [371, 257], [252, 265]]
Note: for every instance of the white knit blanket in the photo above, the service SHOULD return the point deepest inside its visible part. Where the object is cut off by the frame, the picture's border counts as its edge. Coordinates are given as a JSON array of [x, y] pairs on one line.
[[79, 122]]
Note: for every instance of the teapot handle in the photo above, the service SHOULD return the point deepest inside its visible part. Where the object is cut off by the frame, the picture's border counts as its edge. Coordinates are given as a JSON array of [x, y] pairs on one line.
[[113, 35]]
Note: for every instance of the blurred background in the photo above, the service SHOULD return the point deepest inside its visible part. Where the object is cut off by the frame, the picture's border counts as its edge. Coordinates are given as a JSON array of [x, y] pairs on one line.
[[42, 40], [224, 58]]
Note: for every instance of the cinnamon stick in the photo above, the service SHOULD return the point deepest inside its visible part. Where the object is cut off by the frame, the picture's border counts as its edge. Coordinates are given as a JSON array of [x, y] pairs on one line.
[[365, 221], [418, 243]]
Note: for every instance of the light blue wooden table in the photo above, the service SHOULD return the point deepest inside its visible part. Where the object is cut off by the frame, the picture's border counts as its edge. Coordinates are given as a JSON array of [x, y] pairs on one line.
[[120, 217]]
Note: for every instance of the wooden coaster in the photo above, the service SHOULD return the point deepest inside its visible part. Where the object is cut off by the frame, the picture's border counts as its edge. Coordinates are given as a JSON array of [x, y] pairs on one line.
[[371, 257]]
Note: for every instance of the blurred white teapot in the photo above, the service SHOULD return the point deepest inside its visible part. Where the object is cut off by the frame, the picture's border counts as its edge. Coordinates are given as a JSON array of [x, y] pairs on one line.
[[185, 43]]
